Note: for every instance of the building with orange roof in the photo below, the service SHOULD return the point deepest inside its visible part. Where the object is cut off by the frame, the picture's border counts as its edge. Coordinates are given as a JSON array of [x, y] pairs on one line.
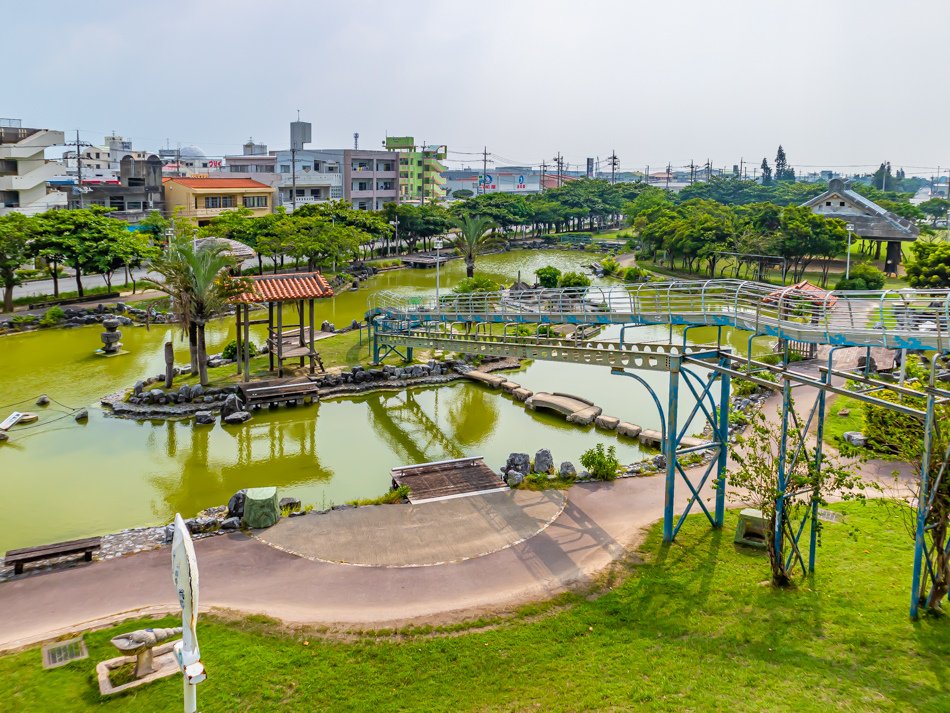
[[203, 199]]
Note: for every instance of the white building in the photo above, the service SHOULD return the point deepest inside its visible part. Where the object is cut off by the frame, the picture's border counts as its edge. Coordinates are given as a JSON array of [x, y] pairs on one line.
[[25, 171]]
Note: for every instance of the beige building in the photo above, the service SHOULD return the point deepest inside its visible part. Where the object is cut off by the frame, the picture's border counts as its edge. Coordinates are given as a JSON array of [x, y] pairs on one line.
[[202, 199]]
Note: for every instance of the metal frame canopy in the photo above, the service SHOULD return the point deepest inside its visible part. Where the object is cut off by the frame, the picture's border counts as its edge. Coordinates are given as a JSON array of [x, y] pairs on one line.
[[275, 291], [894, 319]]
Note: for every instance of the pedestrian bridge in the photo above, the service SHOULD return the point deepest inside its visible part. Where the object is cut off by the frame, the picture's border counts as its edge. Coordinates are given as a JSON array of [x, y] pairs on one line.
[[573, 408]]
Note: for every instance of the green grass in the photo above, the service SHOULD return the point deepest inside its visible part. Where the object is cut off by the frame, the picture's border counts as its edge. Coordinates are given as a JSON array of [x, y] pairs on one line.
[[835, 425], [691, 628], [390, 497], [89, 292]]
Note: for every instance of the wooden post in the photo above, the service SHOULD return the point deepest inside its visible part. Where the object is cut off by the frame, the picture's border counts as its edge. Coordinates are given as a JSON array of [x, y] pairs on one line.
[[280, 339], [312, 337], [300, 336], [270, 335], [169, 364], [237, 338], [247, 342]]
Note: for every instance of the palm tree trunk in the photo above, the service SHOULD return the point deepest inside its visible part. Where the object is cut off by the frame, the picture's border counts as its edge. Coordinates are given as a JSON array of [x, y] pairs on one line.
[[202, 356], [470, 267], [193, 346]]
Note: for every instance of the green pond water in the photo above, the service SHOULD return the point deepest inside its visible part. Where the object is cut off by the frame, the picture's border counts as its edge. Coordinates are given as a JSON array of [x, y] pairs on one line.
[[63, 480]]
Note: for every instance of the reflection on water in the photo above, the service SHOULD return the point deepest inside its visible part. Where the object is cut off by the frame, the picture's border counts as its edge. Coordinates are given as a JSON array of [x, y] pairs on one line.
[[64, 480]]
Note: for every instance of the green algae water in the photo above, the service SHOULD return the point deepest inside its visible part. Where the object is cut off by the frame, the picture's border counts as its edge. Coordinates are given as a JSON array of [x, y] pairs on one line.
[[63, 479]]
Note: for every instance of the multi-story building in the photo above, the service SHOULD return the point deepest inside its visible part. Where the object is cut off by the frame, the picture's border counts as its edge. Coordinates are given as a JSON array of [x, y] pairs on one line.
[[420, 169], [137, 193], [102, 164], [370, 178], [25, 171], [202, 199], [503, 179]]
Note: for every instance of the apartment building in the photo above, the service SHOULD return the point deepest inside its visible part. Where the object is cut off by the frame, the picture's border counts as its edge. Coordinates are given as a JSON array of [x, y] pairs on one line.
[[420, 169], [25, 170], [203, 199]]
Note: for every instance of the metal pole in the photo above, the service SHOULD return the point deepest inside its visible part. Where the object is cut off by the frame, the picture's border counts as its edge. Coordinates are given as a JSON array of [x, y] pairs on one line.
[[782, 462], [819, 435], [669, 445], [724, 407], [923, 497], [293, 178]]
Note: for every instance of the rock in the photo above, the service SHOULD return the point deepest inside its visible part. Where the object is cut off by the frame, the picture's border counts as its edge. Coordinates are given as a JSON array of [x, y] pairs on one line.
[[197, 391], [137, 389], [169, 532], [343, 507], [204, 418], [659, 461], [43, 400], [232, 405], [855, 438], [845, 412], [297, 513], [156, 394], [231, 523], [4, 436], [567, 470], [237, 417], [289, 504], [236, 504], [543, 461], [514, 478], [522, 394], [202, 524], [207, 399], [607, 422], [184, 393], [631, 430], [81, 415], [519, 462]]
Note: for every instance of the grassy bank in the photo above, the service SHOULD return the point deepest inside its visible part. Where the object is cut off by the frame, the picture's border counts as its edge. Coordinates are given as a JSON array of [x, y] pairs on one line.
[[689, 628]]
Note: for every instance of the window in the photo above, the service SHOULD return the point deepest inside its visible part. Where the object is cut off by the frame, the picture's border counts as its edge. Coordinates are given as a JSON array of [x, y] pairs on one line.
[[133, 205], [315, 192], [285, 168], [360, 186], [240, 169], [362, 205], [827, 203], [227, 201], [300, 192], [117, 202], [255, 201], [841, 203], [212, 202]]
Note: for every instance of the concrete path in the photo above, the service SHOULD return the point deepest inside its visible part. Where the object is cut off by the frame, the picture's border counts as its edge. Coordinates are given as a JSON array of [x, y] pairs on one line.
[[574, 408]]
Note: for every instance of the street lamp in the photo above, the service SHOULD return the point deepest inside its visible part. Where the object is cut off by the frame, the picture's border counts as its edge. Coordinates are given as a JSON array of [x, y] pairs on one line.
[[437, 244], [847, 263]]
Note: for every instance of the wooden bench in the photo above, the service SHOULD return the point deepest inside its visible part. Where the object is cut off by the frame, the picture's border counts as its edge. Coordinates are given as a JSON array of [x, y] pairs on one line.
[[278, 391], [44, 552]]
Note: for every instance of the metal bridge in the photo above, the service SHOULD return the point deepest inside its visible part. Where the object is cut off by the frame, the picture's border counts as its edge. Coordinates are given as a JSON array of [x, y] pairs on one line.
[[896, 319]]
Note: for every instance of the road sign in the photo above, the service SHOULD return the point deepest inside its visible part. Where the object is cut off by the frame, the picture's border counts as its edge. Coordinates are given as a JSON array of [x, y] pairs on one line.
[[185, 577]]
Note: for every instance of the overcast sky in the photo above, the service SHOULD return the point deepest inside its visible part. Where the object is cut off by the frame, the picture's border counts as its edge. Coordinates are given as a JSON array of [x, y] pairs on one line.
[[838, 83]]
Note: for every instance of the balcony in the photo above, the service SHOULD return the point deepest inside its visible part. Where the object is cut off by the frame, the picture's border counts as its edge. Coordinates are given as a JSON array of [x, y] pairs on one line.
[[306, 179], [41, 174], [288, 203]]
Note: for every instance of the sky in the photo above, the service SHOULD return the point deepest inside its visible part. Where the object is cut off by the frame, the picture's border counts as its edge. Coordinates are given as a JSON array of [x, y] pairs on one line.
[[839, 83]]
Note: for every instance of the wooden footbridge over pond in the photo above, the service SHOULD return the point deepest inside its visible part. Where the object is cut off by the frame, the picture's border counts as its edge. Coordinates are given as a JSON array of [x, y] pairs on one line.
[[894, 319]]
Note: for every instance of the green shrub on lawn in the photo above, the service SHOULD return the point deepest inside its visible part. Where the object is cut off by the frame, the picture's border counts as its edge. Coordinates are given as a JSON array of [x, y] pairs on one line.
[[600, 462], [230, 349]]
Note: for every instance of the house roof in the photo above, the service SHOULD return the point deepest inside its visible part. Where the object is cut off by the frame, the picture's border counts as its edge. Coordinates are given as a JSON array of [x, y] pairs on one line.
[[219, 183], [232, 247], [802, 291], [286, 288], [872, 221]]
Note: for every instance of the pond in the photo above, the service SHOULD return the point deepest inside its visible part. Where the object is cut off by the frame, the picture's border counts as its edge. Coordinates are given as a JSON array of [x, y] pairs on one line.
[[64, 480]]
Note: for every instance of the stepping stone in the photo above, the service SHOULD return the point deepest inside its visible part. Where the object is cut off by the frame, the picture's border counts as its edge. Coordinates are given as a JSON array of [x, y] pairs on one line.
[[607, 422], [631, 430], [509, 387], [494, 382], [522, 394]]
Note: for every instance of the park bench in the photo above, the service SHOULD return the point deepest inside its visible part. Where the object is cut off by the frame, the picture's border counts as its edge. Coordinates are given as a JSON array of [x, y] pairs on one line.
[[44, 552], [277, 391]]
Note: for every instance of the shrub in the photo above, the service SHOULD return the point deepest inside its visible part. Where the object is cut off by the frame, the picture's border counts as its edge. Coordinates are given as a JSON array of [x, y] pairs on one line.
[[636, 274], [54, 315], [610, 265], [862, 277], [230, 349], [600, 462], [476, 284], [548, 276], [573, 279], [393, 497], [546, 330], [24, 319]]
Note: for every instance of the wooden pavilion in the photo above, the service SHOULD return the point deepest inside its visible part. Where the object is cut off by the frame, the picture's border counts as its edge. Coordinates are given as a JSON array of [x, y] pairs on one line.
[[293, 343]]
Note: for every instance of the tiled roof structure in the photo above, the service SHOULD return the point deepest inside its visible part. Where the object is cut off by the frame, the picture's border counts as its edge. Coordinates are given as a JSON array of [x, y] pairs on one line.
[[219, 183], [870, 220], [286, 288], [802, 291]]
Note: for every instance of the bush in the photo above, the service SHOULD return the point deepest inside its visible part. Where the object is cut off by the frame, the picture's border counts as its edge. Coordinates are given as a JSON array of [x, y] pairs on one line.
[[610, 265], [548, 276], [573, 279], [230, 349], [476, 284], [600, 462], [862, 277], [546, 330], [54, 315], [24, 319], [636, 274]]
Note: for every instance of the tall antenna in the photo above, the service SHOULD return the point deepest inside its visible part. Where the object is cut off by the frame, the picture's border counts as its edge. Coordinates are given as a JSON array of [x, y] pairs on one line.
[[356, 140]]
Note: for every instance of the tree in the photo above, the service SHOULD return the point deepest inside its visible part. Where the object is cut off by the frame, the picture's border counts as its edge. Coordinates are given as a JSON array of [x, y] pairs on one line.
[[548, 276], [198, 282], [882, 178], [931, 265], [766, 172], [862, 277], [782, 170], [15, 233], [573, 279], [936, 208], [473, 239], [462, 193], [755, 481], [119, 247]]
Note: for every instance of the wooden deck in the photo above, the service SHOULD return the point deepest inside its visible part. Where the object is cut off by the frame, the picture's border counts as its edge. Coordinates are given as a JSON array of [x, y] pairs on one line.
[[447, 479]]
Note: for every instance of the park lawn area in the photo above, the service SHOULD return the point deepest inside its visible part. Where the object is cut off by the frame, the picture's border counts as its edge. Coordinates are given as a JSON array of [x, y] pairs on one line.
[[835, 425], [686, 627]]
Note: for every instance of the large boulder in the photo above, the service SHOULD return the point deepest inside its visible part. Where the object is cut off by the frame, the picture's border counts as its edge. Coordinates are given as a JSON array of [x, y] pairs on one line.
[[231, 523], [855, 438], [237, 417], [519, 462], [568, 470], [514, 478], [543, 461], [232, 404], [204, 418], [81, 415], [236, 504]]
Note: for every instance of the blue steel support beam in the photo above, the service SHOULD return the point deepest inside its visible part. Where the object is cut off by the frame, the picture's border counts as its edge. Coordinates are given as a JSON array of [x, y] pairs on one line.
[[782, 476], [723, 431], [670, 444], [923, 496]]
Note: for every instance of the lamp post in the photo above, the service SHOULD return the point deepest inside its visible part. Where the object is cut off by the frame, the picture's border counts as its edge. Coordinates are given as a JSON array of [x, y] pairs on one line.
[[437, 244], [185, 578], [847, 263]]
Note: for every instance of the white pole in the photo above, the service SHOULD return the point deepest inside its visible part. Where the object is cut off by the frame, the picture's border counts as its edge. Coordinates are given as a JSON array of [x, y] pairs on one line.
[[847, 264], [437, 243]]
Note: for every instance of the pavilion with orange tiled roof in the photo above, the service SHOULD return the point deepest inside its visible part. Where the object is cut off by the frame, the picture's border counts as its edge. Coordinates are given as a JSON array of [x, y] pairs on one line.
[[276, 291]]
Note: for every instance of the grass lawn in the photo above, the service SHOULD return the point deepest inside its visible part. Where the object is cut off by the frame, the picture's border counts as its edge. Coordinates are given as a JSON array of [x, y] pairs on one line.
[[690, 628], [835, 425]]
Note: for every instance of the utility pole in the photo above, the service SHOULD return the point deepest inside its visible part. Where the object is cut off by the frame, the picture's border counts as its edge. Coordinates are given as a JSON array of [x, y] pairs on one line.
[[79, 144], [293, 177], [484, 170], [669, 167], [559, 163], [646, 176], [544, 168], [356, 140], [614, 162], [692, 172], [741, 164]]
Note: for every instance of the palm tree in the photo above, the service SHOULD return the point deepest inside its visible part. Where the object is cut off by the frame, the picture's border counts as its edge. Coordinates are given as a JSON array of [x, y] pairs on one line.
[[473, 239], [198, 283]]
